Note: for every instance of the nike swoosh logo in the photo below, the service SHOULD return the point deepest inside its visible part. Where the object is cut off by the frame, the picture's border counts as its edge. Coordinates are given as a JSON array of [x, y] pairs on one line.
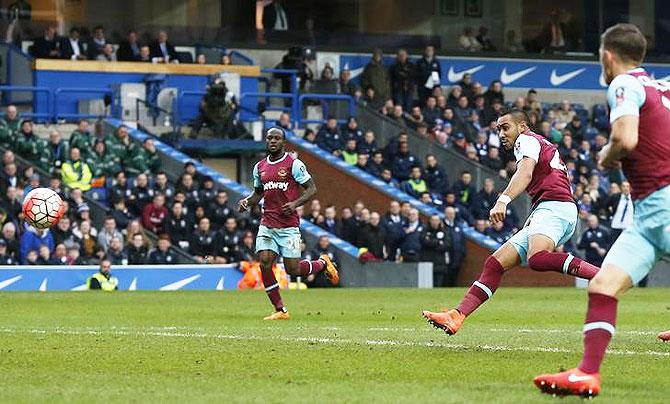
[[356, 72], [453, 76], [573, 378], [507, 78], [557, 80]]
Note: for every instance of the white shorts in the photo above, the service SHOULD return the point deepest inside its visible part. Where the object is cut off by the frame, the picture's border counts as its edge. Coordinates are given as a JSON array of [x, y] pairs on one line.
[[556, 220]]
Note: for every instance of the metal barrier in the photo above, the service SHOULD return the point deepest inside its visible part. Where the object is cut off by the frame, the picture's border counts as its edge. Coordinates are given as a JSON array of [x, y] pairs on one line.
[[177, 103], [32, 89], [324, 106], [294, 107], [62, 90]]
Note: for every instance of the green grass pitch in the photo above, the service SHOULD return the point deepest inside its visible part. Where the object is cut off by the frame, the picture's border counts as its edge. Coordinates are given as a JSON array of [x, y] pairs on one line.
[[365, 345]]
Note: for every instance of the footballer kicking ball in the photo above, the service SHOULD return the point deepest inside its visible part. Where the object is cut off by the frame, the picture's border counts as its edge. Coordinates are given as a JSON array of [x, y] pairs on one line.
[[42, 208]]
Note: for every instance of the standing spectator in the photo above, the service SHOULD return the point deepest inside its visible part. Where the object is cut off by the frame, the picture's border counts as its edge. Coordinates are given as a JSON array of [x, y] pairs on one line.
[[402, 80], [428, 74], [464, 190], [372, 236], [512, 44], [322, 247], [228, 243], [349, 225], [108, 232], [393, 224], [484, 40], [163, 254], [129, 50], [552, 37], [331, 223], [403, 162], [485, 199], [595, 241], [468, 42], [72, 47], [97, 43], [410, 246], [495, 92], [435, 176], [32, 239], [435, 245], [46, 46], [347, 86], [163, 51], [457, 247], [376, 75], [154, 215], [75, 173], [620, 207]]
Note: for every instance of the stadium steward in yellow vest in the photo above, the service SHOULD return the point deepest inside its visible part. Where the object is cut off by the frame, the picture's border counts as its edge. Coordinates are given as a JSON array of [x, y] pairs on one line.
[[76, 173], [103, 279]]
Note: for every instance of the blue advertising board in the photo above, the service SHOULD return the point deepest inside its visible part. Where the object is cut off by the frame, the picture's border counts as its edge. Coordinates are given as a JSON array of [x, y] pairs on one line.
[[521, 73], [131, 277]]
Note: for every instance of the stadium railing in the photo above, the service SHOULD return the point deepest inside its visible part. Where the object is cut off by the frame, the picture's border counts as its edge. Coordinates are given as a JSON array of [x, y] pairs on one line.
[[77, 90], [323, 101], [353, 272]]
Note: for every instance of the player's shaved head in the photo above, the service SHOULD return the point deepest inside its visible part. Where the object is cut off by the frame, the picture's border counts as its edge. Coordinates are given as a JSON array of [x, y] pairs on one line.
[[626, 41], [276, 131]]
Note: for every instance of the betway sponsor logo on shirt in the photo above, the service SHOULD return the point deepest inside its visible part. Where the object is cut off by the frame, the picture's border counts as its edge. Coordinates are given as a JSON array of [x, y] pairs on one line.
[[281, 185]]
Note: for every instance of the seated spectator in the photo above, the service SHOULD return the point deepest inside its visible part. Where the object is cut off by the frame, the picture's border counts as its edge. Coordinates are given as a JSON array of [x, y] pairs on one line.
[[498, 233], [436, 177], [218, 210], [387, 177], [202, 245], [313, 212], [226, 60], [595, 241], [145, 160], [72, 47], [145, 54], [102, 162], [97, 43], [162, 254], [375, 166], [464, 190], [565, 146], [75, 173], [462, 111], [162, 186], [349, 153], [116, 254], [372, 236], [154, 215], [328, 137], [431, 112], [82, 138], [55, 154], [119, 189], [62, 232], [140, 196], [512, 43], [484, 40], [163, 51], [468, 42], [403, 162], [347, 86], [179, 227], [331, 223], [129, 49], [5, 257], [10, 236], [107, 54], [471, 153], [372, 99], [585, 206], [455, 94], [85, 237], [32, 239], [576, 129], [584, 151], [284, 121], [415, 184], [46, 46], [481, 226], [73, 256], [362, 162], [207, 191], [482, 145], [326, 84], [391, 149], [565, 113], [410, 246], [309, 136], [138, 251], [122, 146], [122, 216], [493, 160], [484, 200], [459, 144], [9, 177], [495, 92], [322, 247], [201, 59], [352, 131], [11, 205], [108, 232], [397, 115], [28, 145], [368, 144], [188, 187], [10, 126]]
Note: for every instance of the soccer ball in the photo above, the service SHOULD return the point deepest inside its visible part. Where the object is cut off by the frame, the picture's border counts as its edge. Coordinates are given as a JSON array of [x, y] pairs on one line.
[[42, 208]]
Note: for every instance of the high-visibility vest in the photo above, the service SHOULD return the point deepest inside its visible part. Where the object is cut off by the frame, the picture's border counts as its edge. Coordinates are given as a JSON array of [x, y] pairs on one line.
[[418, 186], [107, 285]]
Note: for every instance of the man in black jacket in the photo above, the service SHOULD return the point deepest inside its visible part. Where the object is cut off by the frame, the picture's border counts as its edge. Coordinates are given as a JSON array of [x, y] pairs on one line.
[[331, 223], [373, 236], [457, 248], [424, 70], [393, 223], [97, 43], [129, 50], [163, 254], [46, 46], [162, 51], [435, 245], [72, 47], [402, 80]]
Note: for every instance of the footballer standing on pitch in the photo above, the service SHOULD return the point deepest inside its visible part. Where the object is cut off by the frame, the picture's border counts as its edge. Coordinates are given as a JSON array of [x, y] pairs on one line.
[[283, 182]]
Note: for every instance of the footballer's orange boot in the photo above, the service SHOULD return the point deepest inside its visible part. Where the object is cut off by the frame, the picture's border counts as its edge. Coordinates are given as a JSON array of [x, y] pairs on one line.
[[664, 336], [448, 321], [331, 269], [278, 315], [572, 382]]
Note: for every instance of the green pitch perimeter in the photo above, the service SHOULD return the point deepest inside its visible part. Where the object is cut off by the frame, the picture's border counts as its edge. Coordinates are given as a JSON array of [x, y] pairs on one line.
[[341, 346]]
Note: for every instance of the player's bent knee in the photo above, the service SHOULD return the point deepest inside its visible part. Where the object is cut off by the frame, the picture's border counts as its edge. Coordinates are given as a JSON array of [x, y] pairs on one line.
[[611, 281], [537, 261]]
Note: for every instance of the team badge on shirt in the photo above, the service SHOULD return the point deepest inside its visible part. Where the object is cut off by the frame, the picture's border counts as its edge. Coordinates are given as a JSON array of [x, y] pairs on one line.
[[619, 93], [282, 172]]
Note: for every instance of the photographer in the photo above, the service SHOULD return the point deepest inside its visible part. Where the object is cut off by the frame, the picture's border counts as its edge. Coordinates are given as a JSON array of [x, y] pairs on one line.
[[218, 110]]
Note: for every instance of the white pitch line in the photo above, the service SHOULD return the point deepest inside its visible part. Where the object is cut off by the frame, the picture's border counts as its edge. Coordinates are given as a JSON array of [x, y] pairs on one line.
[[322, 340]]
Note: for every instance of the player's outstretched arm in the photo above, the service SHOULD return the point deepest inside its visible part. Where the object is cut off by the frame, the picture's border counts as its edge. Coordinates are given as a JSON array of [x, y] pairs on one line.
[[309, 190], [623, 140], [251, 200], [517, 185]]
